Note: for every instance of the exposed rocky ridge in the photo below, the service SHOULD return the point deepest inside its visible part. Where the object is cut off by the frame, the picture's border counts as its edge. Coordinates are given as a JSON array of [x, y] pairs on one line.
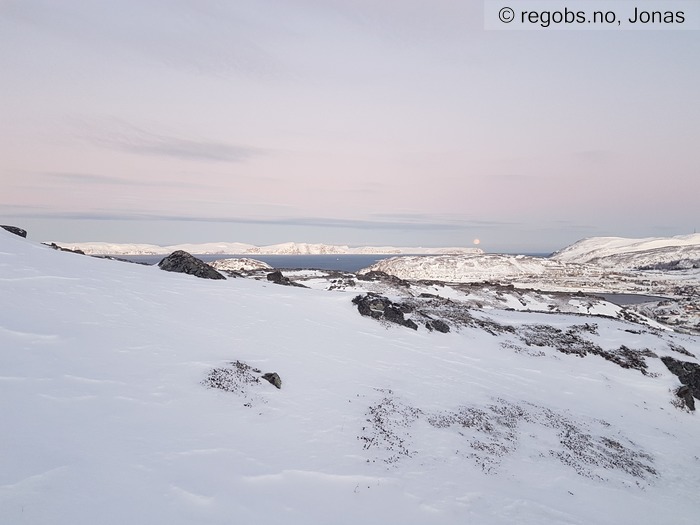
[[183, 262], [15, 230], [278, 278], [55, 246], [382, 308], [688, 373]]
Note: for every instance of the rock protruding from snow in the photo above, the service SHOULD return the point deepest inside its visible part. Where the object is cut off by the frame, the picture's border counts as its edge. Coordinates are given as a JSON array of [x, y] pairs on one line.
[[15, 230], [183, 262], [273, 378], [240, 264], [688, 374], [277, 278], [438, 325], [379, 307], [680, 252], [686, 395]]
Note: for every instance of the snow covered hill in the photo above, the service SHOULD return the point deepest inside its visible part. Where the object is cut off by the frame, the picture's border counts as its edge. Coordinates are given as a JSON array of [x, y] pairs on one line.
[[682, 251], [239, 265], [288, 248], [133, 395], [466, 268]]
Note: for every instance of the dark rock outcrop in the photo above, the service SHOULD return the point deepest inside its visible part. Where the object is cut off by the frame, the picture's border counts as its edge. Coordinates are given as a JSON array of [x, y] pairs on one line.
[[437, 325], [62, 249], [273, 378], [688, 374], [15, 230], [183, 262], [379, 307], [277, 278], [375, 275], [687, 396]]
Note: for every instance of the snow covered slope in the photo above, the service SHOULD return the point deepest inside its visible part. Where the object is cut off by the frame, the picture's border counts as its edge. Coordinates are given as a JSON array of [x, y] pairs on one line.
[[287, 248], [133, 395], [465, 268], [634, 253], [239, 265]]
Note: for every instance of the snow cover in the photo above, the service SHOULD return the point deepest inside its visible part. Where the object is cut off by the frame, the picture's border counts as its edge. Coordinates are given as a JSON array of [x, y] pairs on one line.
[[632, 253], [288, 248], [106, 418], [241, 264], [465, 268]]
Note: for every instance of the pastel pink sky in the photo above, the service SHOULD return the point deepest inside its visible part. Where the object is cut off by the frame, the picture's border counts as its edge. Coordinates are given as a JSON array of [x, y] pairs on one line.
[[349, 122]]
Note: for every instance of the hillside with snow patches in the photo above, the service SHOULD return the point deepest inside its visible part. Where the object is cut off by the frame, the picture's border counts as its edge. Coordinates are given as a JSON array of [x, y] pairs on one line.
[[288, 248], [135, 395]]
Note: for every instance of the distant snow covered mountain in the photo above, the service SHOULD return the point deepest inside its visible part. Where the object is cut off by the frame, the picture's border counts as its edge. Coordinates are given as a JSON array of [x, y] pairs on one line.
[[288, 248], [134, 395], [680, 252]]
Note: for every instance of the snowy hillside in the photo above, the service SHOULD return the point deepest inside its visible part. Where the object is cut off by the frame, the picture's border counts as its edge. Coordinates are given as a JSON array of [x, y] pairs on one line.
[[288, 248], [634, 253], [465, 268], [134, 395], [239, 265]]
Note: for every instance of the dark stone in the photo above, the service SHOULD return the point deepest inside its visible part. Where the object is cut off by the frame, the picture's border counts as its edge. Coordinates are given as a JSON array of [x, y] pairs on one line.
[[277, 278], [379, 307], [688, 373], [438, 325], [182, 262], [15, 230], [686, 395], [273, 378]]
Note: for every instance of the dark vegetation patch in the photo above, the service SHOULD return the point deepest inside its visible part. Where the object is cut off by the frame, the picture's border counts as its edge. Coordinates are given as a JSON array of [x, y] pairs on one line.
[[492, 432], [387, 427], [680, 349], [240, 378], [570, 341]]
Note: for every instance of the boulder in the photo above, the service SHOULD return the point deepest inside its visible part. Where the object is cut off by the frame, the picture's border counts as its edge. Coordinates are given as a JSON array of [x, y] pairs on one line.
[[688, 374], [437, 325], [183, 262], [277, 278], [15, 230], [273, 378], [379, 307], [686, 395]]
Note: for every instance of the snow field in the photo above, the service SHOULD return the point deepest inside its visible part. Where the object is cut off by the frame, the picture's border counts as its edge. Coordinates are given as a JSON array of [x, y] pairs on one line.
[[107, 421]]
